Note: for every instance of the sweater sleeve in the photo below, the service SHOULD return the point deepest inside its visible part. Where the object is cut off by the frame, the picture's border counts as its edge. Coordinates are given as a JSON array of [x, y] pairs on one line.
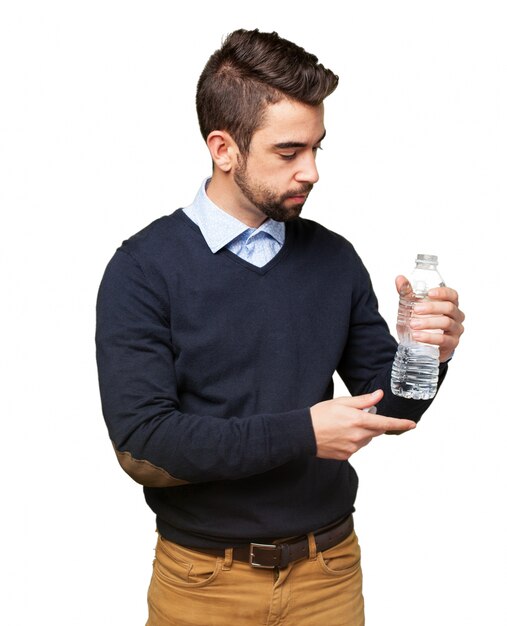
[[156, 443], [368, 357]]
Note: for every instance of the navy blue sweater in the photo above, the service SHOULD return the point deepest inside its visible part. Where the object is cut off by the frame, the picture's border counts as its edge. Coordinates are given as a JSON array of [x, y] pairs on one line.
[[208, 366]]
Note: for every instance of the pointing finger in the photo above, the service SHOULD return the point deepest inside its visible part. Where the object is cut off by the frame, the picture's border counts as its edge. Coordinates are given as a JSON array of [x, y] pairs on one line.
[[381, 424]]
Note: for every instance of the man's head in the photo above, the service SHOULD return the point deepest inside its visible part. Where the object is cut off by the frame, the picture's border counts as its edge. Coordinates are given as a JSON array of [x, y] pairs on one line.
[[260, 108], [251, 71]]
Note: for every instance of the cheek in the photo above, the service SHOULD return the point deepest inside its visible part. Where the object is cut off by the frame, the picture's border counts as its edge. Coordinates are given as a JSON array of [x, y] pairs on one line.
[[277, 176], [272, 173]]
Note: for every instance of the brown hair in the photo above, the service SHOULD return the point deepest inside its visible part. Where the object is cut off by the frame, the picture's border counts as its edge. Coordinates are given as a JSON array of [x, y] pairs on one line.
[[250, 71]]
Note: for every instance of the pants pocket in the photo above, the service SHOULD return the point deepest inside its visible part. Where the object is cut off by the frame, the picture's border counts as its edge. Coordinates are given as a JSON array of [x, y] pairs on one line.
[[176, 565], [342, 559]]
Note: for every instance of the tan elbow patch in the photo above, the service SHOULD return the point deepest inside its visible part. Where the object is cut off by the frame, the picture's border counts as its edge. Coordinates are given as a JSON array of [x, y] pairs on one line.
[[145, 473]]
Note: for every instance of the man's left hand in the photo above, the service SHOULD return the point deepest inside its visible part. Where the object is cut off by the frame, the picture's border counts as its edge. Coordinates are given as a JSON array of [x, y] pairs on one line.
[[439, 312]]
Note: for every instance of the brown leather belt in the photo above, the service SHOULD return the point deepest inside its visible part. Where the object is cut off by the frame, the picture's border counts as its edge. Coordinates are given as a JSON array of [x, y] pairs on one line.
[[281, 553]]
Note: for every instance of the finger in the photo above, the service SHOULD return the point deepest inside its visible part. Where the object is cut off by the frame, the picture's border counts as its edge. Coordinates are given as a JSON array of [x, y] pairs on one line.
[[439, 307], [365, 401], [403, 286], [437, 322], [444, 293], [445, 341], [433, 338], [381, 424]]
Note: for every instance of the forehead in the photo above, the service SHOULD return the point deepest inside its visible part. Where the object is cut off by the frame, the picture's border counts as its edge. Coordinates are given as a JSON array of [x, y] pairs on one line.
[[290, 121]]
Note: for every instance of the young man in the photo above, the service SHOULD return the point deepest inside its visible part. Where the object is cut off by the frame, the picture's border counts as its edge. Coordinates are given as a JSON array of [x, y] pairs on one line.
[[219, 329]]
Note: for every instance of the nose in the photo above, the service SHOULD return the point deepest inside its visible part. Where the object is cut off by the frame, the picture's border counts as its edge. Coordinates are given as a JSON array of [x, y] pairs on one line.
[[307, 172]]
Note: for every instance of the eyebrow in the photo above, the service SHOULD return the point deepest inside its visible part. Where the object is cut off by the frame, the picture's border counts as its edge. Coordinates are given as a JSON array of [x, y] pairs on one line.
[[284, 145]]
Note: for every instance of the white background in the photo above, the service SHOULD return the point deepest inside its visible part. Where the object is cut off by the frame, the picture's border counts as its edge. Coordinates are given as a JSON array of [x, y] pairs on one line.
[[98, 137]]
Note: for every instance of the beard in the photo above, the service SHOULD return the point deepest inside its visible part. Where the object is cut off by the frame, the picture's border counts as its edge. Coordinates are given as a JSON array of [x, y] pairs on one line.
[[271, 203]]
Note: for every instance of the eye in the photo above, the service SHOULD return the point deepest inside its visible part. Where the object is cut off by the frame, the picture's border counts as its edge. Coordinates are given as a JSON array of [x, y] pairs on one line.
[[288, 157], [317, 148]]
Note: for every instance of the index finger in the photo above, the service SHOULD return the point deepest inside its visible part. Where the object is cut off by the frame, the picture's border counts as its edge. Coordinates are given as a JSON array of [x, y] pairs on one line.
[[444, 293], [381, 424]]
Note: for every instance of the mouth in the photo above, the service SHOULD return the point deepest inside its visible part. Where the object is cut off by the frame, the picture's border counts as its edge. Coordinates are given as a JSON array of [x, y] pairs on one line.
[[298, 198], [301, 195], [297, 202]]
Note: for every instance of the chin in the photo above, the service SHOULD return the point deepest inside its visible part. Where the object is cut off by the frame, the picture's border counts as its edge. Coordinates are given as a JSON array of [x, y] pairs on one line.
[[283, 214]]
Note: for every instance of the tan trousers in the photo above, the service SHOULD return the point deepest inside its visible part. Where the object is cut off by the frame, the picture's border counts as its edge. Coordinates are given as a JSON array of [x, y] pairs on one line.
[[192, 589]]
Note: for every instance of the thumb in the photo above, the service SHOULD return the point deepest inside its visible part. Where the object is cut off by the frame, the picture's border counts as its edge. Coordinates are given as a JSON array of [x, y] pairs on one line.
[[403, 286], [365, 401]]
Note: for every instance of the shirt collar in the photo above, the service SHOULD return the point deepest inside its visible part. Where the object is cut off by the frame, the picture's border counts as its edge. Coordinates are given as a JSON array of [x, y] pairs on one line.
[[220, 228]]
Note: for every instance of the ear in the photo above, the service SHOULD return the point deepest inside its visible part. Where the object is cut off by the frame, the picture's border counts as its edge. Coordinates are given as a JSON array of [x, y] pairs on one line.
[[223, 149]]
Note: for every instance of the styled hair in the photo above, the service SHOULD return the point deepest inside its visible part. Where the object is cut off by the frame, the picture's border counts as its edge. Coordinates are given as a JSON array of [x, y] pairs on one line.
[[251, 71]]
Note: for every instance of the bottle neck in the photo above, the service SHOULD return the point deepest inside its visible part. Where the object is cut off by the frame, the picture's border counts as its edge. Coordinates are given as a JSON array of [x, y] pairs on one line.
[[422, 265]]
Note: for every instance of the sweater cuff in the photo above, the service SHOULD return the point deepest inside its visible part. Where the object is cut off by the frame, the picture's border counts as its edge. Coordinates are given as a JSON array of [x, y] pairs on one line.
[[292, 434]]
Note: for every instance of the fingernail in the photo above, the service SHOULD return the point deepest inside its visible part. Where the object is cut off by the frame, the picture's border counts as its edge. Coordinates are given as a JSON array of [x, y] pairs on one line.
[[371, 409], [419, 308], [417, 335], [415, 324], [432, 292]]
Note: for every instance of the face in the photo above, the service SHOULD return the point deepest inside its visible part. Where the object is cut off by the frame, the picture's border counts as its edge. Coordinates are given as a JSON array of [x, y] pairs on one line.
[[280, 171]]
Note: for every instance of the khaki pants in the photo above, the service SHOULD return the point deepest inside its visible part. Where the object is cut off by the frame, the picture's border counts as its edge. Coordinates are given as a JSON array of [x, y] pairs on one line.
[[192, 589]]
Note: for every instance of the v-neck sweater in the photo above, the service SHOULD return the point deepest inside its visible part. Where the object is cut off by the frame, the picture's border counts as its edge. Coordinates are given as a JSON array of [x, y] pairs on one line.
[[208, 367]]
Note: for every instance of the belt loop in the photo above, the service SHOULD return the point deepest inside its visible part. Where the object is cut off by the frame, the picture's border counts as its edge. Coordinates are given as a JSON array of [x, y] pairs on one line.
[[228, 559], [312, 547]]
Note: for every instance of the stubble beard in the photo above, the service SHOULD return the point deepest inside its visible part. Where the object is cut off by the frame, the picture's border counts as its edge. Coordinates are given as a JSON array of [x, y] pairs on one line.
[[266, 200]]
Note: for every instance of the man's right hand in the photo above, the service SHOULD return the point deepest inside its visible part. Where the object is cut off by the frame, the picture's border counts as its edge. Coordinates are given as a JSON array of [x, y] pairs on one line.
[[342, 427]]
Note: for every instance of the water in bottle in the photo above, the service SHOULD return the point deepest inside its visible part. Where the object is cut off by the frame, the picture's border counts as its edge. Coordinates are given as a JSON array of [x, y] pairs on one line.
[[415, 368]]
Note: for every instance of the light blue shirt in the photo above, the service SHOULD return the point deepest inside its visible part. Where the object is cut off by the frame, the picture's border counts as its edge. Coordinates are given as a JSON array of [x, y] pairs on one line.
[[221, 230]]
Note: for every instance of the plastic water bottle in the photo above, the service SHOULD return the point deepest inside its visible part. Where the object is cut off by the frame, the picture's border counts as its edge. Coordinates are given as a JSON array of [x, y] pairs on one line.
[[415, 368]]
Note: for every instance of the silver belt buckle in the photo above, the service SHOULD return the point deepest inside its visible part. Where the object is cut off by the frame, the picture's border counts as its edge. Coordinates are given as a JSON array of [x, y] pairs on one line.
[[265, 546]]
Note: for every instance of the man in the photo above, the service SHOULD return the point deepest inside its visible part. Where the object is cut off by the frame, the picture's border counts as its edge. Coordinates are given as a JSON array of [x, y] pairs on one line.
[[219, 329]]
